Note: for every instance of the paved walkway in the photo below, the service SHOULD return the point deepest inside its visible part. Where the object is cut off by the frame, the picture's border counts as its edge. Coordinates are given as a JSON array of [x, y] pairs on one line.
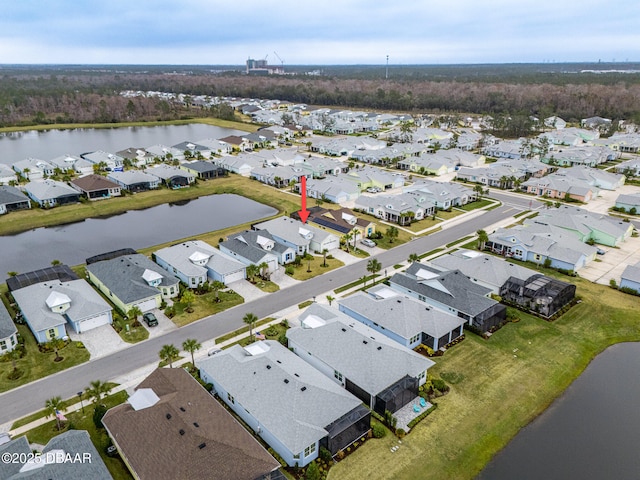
[[407, 413]]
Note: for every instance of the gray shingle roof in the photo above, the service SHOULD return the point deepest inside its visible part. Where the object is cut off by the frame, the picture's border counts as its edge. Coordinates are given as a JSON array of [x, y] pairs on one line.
[[178, 257], [364, 356], [288, 229], [7, 327], [452, 288], [632, 273], [123, 276], [402, 315], [50, 189], [9, 195], [296, 411], [85, 302], [248, 248], [17, 445]]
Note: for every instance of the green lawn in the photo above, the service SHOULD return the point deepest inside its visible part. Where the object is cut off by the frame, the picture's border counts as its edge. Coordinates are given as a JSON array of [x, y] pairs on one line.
[[243, 330], [99, 437], [355, 283], [266, 285], [477, 204], [502, 384], [316, 266], [35, 365], [443, 214], [423, 224], [204, 306]]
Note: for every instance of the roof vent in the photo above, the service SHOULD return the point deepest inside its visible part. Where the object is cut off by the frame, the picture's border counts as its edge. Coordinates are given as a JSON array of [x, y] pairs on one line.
[[181, 431], [278, 361], [268, 367], [399, 301], [182, 409], [303, 389], [202, 445], [365, 342], [195, 424], [297, 375], [343, 329], [168, 416], [286, 380], [379, 348]]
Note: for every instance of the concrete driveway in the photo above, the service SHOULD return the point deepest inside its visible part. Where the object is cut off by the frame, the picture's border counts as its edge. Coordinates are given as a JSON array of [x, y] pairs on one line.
[[607, 199], [246, 290], [99, 341], [165, 324], [613, 262]]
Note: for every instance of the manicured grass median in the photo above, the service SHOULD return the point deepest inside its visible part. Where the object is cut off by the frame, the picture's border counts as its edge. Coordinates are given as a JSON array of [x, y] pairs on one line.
[[500, 385], [205, 305], [477, 204]]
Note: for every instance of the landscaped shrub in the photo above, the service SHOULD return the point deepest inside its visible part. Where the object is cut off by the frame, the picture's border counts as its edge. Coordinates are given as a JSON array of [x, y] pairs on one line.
[[400, 433], [378, 431], [271, 331], [440, 385], [325, 454], [289, 270], [98, 413]]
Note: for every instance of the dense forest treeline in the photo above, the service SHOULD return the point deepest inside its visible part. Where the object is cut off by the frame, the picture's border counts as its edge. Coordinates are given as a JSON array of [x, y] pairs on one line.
[[92, 95]]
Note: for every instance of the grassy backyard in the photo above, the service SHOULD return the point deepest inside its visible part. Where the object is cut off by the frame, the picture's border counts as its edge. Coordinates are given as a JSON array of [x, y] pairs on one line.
[[497, 387], [35, 364]]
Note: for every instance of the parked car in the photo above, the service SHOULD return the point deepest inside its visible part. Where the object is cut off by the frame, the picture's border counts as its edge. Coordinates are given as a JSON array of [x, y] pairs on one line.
[[373, 189], [151, 319], [367, 242], [600, 251]]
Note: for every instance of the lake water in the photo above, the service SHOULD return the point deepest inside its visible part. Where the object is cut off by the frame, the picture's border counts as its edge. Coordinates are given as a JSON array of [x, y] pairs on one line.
[[46, 145], [592, 431], [72, 243]]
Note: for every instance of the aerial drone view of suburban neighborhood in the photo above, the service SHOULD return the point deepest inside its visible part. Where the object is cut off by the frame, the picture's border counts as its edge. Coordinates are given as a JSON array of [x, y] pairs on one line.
[[282, 289]]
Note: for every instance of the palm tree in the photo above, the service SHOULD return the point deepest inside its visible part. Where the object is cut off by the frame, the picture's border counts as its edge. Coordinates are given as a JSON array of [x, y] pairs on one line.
[[187, 298], [373, 266], [392, 233], [324, 255], [97, 390], [483, 238], [216, 286], [479, 189], [133, 313], [53, 406], [414, 257], [191, 345], [264, 270], [330, 299], [347, 237], [57, 343], [169, 353], [250, 319], [252, 271]]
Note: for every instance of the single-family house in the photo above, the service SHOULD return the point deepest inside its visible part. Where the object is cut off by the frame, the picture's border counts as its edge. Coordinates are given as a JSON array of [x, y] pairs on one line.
[[538, 293], [172, 177], [333, 189], [630, 168], [8, 331], [587, 226], [204, 170], [49, 193], [402, 318], [631, 277], [625, 143], [443, 195], [402, 209], [137, 156], [33, 168], [135, 180], [629, 203], [279, 176], [195, 262], [594, 177], [301, 237], [171, 427], [451, 292], [96, 187], [191, 150], [555, 122], [12, 199], [372, 177], [382, 373], [133, 281], [70, 455], [320, 167], [242, 164], [539, 243], [252, 247], [73, 164], [47, 307], [109, 162], [595, 122], [165, 153], [215, 146], [561, 187], [340, 221], [7, 174], [581, 155], [293, 407]]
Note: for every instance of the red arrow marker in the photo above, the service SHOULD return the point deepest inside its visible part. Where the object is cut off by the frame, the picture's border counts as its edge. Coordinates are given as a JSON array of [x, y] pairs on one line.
[[304, 213]]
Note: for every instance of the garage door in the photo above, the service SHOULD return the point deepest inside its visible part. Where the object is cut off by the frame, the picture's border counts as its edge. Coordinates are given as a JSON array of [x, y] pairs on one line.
[[94, 322], [146, 306], [332, 245], [233, 277]]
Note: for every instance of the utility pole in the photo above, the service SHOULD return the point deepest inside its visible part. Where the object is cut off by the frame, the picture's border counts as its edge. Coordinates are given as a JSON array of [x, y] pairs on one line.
[[386, 75]]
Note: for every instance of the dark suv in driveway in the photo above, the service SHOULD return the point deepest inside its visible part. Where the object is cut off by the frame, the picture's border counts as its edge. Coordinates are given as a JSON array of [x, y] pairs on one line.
[[151, 319]]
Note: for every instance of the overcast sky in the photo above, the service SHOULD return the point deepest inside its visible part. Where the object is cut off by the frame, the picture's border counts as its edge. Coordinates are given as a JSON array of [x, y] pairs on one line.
[[213, 32]]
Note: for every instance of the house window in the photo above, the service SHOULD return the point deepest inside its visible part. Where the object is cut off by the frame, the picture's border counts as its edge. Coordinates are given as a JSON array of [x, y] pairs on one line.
[[230, 398], [518, 252], [537, 257], [3, 345], [309, 450], [422, 298], [338, 375], [13, 340]]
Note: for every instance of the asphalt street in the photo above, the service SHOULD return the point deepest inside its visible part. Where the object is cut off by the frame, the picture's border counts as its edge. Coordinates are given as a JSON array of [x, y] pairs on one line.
[[29, 398]]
